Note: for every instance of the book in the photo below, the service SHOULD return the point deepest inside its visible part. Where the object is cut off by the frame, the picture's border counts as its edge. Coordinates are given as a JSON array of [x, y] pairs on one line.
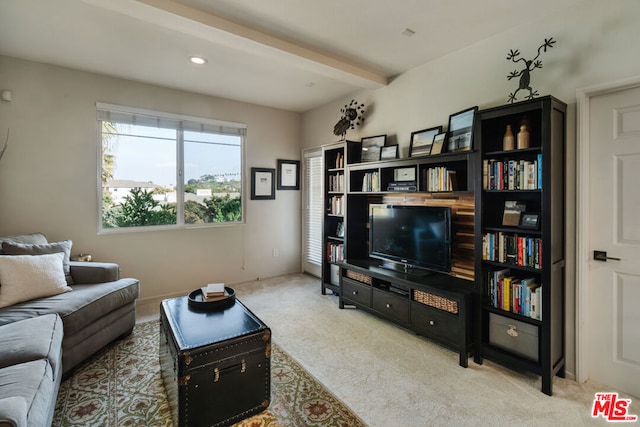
[[498, 276], [539, 172], [213, 298], [506, 293], [485, 174], [213, 290], [536, 302], [528, 285]]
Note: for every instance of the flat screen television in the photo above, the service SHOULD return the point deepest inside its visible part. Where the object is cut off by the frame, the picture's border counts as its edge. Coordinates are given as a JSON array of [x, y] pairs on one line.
[[407, 237]]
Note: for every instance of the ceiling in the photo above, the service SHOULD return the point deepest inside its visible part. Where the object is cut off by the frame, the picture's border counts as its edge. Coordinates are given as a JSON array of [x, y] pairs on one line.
[[289, 54]]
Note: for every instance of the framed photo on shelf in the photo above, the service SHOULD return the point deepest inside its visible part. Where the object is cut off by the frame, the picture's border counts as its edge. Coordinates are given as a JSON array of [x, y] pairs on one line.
[[389, 152], [288, 174], [371, 147], [530, 220], [512, 212], [263, 184], [460, 135], [404, 174], [438, 143], [422, 140]]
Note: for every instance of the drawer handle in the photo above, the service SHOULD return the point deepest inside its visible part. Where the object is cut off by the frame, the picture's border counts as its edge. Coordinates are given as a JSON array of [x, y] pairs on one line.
[[355, 292], [388, 305], [432, 323]]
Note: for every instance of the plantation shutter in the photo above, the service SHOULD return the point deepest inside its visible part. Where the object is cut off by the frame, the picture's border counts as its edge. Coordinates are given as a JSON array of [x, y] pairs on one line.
[[313, 211]]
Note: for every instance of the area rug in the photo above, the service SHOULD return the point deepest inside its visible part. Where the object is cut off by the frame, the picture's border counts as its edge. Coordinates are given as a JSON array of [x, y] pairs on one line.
[[122, 386]]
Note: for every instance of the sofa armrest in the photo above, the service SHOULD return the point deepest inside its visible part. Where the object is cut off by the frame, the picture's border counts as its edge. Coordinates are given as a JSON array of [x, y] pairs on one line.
[[13, 412], [94, 272]]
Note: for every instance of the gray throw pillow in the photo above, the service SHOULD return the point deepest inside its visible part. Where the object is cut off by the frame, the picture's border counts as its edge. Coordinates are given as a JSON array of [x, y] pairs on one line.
[[32, 239], [43, 249]]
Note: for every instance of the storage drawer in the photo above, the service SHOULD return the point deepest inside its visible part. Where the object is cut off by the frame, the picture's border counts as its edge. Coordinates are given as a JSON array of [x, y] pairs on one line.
[[356, 292], [435, 322], [394, 306], [514, 336]]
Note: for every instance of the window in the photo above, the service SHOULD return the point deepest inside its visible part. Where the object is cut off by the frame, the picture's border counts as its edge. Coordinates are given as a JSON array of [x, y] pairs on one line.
[[163, 170]]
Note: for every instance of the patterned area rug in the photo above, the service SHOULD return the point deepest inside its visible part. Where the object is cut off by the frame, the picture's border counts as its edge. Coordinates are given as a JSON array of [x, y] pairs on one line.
[[122, 386]]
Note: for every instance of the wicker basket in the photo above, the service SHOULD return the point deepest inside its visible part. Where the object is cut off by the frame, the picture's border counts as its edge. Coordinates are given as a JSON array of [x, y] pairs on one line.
[[362, 278], [436, 301]]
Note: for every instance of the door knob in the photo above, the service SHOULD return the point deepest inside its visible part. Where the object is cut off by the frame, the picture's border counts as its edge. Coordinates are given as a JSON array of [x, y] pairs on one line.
[[602, 256]]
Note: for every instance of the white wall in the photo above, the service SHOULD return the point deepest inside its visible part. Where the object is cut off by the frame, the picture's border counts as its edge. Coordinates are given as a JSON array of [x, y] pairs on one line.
[[48, 179], [596, 42]]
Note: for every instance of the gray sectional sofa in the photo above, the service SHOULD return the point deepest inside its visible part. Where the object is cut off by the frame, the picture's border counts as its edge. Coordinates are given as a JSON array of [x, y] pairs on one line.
[[44, 338]]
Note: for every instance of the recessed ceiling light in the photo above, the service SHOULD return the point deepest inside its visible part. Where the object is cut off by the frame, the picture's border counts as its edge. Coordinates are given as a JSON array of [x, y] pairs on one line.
[[408, 32], [198, 60]]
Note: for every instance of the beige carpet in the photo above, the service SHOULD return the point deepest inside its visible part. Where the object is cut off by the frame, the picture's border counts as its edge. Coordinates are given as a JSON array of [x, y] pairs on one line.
[[122, 386], [391, 377]]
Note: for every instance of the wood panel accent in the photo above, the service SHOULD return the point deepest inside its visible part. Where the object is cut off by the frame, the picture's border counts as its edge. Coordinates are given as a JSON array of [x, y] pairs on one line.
[[463, 231]]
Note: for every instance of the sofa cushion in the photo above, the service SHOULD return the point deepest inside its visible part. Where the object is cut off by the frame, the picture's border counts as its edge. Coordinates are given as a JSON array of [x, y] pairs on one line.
[[34, 238], [35, 383], [9, 248], [78, 308], [26, 277], [32, 339]]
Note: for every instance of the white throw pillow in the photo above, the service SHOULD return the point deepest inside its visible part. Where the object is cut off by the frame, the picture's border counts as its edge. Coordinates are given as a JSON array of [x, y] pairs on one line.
[[9, 248], [26, 277]]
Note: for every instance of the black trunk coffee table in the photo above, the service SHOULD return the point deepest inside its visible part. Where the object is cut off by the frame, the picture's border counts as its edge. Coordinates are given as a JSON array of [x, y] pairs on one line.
[[215, 363]]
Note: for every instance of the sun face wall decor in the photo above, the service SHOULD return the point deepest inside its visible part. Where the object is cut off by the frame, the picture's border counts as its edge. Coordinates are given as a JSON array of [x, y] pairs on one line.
[[352, 116]]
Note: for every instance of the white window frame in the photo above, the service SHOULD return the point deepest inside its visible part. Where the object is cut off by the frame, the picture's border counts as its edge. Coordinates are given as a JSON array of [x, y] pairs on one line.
[[141, 116]]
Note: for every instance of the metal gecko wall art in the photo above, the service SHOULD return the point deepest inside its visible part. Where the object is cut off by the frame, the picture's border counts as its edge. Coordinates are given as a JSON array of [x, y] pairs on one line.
[[525, 73]]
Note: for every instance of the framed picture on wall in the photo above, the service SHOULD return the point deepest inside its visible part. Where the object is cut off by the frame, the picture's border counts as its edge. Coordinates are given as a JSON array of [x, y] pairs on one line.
[[288, 174], [263, 184]]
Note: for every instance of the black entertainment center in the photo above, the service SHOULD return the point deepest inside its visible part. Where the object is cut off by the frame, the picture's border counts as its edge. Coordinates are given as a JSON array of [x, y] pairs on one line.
[[435, 305], [416, 254]]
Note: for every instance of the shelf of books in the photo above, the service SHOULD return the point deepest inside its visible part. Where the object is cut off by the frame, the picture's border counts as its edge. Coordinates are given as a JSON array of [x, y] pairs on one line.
[[521, 223], [333, 229]]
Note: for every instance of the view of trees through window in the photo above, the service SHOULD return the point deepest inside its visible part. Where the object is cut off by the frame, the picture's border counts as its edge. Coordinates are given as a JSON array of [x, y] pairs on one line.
[[159, 176]]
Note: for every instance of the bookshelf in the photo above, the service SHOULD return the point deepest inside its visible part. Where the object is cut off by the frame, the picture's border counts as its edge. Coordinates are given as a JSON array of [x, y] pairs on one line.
[[520, 256], [439, 306], [333, 225], [410, 182], [349, 187]]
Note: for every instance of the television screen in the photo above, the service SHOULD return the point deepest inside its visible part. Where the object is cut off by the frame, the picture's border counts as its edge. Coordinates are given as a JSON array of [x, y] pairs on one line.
[[414, 236]]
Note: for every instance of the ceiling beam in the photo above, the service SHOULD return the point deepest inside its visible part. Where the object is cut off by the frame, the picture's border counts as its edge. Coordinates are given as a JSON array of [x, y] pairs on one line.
[[180, 17]]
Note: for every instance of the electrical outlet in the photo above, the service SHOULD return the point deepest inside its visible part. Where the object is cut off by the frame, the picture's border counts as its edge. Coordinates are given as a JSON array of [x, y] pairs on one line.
[[275, 251]]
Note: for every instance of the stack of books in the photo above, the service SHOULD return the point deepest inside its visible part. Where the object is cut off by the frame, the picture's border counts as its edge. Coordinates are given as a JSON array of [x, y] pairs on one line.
[[214, 292]]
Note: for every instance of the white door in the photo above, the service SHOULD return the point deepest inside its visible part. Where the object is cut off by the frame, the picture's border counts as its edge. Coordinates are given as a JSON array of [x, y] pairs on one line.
[[312, 222], [613, 313]]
